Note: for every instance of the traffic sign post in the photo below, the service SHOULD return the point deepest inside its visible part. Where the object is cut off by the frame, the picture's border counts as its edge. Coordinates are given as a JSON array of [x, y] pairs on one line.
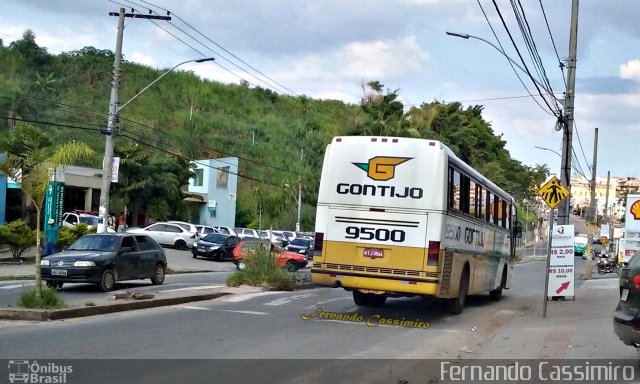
[[560, 259]]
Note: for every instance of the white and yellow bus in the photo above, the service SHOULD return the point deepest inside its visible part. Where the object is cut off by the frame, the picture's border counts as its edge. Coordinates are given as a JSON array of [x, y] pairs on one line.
[[402, 217]]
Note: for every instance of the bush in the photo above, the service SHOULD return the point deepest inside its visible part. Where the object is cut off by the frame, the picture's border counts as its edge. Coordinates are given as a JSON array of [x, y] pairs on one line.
[[50, 299], [18, 236], [262, 271], [70, 234]]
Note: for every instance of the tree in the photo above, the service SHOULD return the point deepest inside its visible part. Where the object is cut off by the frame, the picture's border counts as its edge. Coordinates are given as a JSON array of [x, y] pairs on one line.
[[28, 49], [31, 164], [18, 236]]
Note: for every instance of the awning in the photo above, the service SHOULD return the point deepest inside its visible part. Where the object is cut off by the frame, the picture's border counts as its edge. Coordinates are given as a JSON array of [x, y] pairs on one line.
[[195, 197]]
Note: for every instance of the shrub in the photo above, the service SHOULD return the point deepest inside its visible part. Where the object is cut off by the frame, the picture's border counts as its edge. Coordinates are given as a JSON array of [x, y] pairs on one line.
[[18, 236], [50, 299], [70, 234], [262, 271]]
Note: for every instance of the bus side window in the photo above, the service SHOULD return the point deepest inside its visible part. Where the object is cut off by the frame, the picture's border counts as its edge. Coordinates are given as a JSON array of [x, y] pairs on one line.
[[472, 198], [454, 189], [507, 215], [489, 216], [482, 203], [500, 214]]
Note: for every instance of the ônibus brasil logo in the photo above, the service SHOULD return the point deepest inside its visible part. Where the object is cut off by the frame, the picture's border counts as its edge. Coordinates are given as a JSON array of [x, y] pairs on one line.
[[382, 168]]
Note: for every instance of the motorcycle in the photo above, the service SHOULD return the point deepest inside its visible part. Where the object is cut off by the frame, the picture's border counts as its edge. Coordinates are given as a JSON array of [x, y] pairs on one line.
[[606, 265]]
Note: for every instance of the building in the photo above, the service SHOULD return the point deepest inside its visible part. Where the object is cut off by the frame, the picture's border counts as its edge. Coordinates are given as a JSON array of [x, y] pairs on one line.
[[581, 193], [214, 190], [81, 192]]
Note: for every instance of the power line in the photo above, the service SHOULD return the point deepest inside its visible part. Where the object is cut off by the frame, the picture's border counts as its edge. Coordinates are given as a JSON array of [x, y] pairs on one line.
[[555, 113], [560, 64], [510, 63]]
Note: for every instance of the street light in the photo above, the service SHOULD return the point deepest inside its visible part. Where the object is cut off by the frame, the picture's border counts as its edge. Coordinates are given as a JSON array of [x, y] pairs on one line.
[[467, 36], [114, 114], [550, 150]]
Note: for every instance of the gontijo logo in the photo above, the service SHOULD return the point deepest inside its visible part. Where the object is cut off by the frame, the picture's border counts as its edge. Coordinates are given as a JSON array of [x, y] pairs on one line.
[[635, 210], [382, 168]]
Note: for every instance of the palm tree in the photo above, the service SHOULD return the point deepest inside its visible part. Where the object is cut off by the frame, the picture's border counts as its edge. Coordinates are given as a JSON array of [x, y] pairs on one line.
[[540, 174], [32, 166]]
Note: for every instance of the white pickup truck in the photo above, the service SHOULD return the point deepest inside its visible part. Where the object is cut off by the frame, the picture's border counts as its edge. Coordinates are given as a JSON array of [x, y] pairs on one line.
[[70, 219]]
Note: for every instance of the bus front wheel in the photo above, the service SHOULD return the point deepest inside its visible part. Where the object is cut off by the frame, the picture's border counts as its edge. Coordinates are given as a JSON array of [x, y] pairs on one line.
[[457, 304], [361, 299]]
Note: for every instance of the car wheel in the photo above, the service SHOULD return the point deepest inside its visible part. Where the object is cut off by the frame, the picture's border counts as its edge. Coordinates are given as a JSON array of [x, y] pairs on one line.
[[242, 265], [457, 304], [195, 255], [108, 280], [180, 244], [218, 256], [54, 284], [158, 275], [292, 266]]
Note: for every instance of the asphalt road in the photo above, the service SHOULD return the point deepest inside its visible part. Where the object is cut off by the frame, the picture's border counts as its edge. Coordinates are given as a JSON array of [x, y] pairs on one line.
[[279, 327]]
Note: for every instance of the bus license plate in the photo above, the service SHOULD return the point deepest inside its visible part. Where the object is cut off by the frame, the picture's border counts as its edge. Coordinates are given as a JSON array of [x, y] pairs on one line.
[[624, 295], [59, 272], [374, 253]]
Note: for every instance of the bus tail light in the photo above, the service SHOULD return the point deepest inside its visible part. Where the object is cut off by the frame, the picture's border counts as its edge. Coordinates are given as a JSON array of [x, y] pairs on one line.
[[318, 242], [434, 253]]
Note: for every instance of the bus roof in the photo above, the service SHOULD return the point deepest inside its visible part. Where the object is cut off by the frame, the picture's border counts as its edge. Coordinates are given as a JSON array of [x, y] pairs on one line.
[[470, 171]]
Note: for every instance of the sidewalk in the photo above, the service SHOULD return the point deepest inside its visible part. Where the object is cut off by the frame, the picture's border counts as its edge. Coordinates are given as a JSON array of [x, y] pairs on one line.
[[579, 329]]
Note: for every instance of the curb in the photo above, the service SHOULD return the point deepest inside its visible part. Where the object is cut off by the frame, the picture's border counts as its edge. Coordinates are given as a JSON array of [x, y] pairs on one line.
[[305, 286], [31, 277], [68, 313]]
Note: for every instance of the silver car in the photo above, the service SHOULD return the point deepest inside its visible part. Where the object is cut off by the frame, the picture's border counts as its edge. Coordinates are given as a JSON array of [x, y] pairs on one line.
[[168, 234]]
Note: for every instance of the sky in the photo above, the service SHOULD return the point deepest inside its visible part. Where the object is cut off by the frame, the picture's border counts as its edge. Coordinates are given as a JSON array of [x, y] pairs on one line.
[[327, 49]]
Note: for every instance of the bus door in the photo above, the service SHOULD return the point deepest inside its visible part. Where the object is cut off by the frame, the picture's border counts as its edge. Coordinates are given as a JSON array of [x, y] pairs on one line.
[[377, 238]]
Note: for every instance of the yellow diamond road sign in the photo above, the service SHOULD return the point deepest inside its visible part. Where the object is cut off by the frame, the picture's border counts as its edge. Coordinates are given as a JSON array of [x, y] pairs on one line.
[[553, 192]]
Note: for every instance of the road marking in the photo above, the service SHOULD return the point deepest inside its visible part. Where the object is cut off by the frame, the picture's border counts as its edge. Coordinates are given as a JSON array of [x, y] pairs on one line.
[[194, 307], [193, 288], [247, 296], [13, 286], [286, 300], [245, 312]]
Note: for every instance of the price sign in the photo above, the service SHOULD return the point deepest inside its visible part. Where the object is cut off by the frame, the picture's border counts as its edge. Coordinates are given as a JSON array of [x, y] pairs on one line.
[[561, 262]]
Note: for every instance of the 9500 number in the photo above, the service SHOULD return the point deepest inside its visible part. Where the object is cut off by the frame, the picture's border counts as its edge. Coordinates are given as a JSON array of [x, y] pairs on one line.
[[380, 234]]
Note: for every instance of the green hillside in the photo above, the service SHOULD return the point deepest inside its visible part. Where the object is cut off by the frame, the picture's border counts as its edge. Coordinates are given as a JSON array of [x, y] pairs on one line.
[[183, 117]]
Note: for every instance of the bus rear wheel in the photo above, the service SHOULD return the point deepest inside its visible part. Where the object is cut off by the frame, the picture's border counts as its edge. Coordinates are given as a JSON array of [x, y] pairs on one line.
[[361, 299], [457, 304], [496, 294]]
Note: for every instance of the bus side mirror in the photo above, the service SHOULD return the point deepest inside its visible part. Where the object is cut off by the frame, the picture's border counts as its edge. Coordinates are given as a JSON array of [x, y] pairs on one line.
[[518, 230]]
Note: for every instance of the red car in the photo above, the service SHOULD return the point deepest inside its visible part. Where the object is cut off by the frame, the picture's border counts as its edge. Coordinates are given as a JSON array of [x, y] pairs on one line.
[[284, 259]]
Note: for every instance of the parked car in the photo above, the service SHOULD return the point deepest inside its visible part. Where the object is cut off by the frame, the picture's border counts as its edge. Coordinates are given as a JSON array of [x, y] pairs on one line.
[[71, 219], [289, 235], [215, 246], [626, 317], [277, 238], [580, 245], [225, 230], [168, 234], [104, 259], [204, 230], [244, 232], [188, 226], [284, 259], [302, 246]]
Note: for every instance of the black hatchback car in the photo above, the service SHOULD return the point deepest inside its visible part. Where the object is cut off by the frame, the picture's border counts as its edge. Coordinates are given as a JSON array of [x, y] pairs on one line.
[[626, 318], [104, 259], [302, 246], [215, 246]]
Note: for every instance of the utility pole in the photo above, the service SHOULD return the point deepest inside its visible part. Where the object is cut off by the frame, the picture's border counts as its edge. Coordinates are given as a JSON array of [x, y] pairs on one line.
[[113, 119], [588, 265], [299, 195], [565, 167], [605, 218]]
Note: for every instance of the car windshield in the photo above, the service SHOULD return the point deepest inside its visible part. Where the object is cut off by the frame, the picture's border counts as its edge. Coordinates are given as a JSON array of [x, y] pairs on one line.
[[302, 242], [89, 220], [216, 238], [95, 243]]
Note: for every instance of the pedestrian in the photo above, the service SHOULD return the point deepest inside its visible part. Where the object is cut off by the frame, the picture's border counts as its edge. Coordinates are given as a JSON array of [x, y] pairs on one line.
[[53, 233], [120, 221]]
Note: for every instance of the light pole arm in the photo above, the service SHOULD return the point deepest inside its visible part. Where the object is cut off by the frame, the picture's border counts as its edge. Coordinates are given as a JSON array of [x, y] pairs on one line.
[[547, 149], [467, 36], [160, 77]]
